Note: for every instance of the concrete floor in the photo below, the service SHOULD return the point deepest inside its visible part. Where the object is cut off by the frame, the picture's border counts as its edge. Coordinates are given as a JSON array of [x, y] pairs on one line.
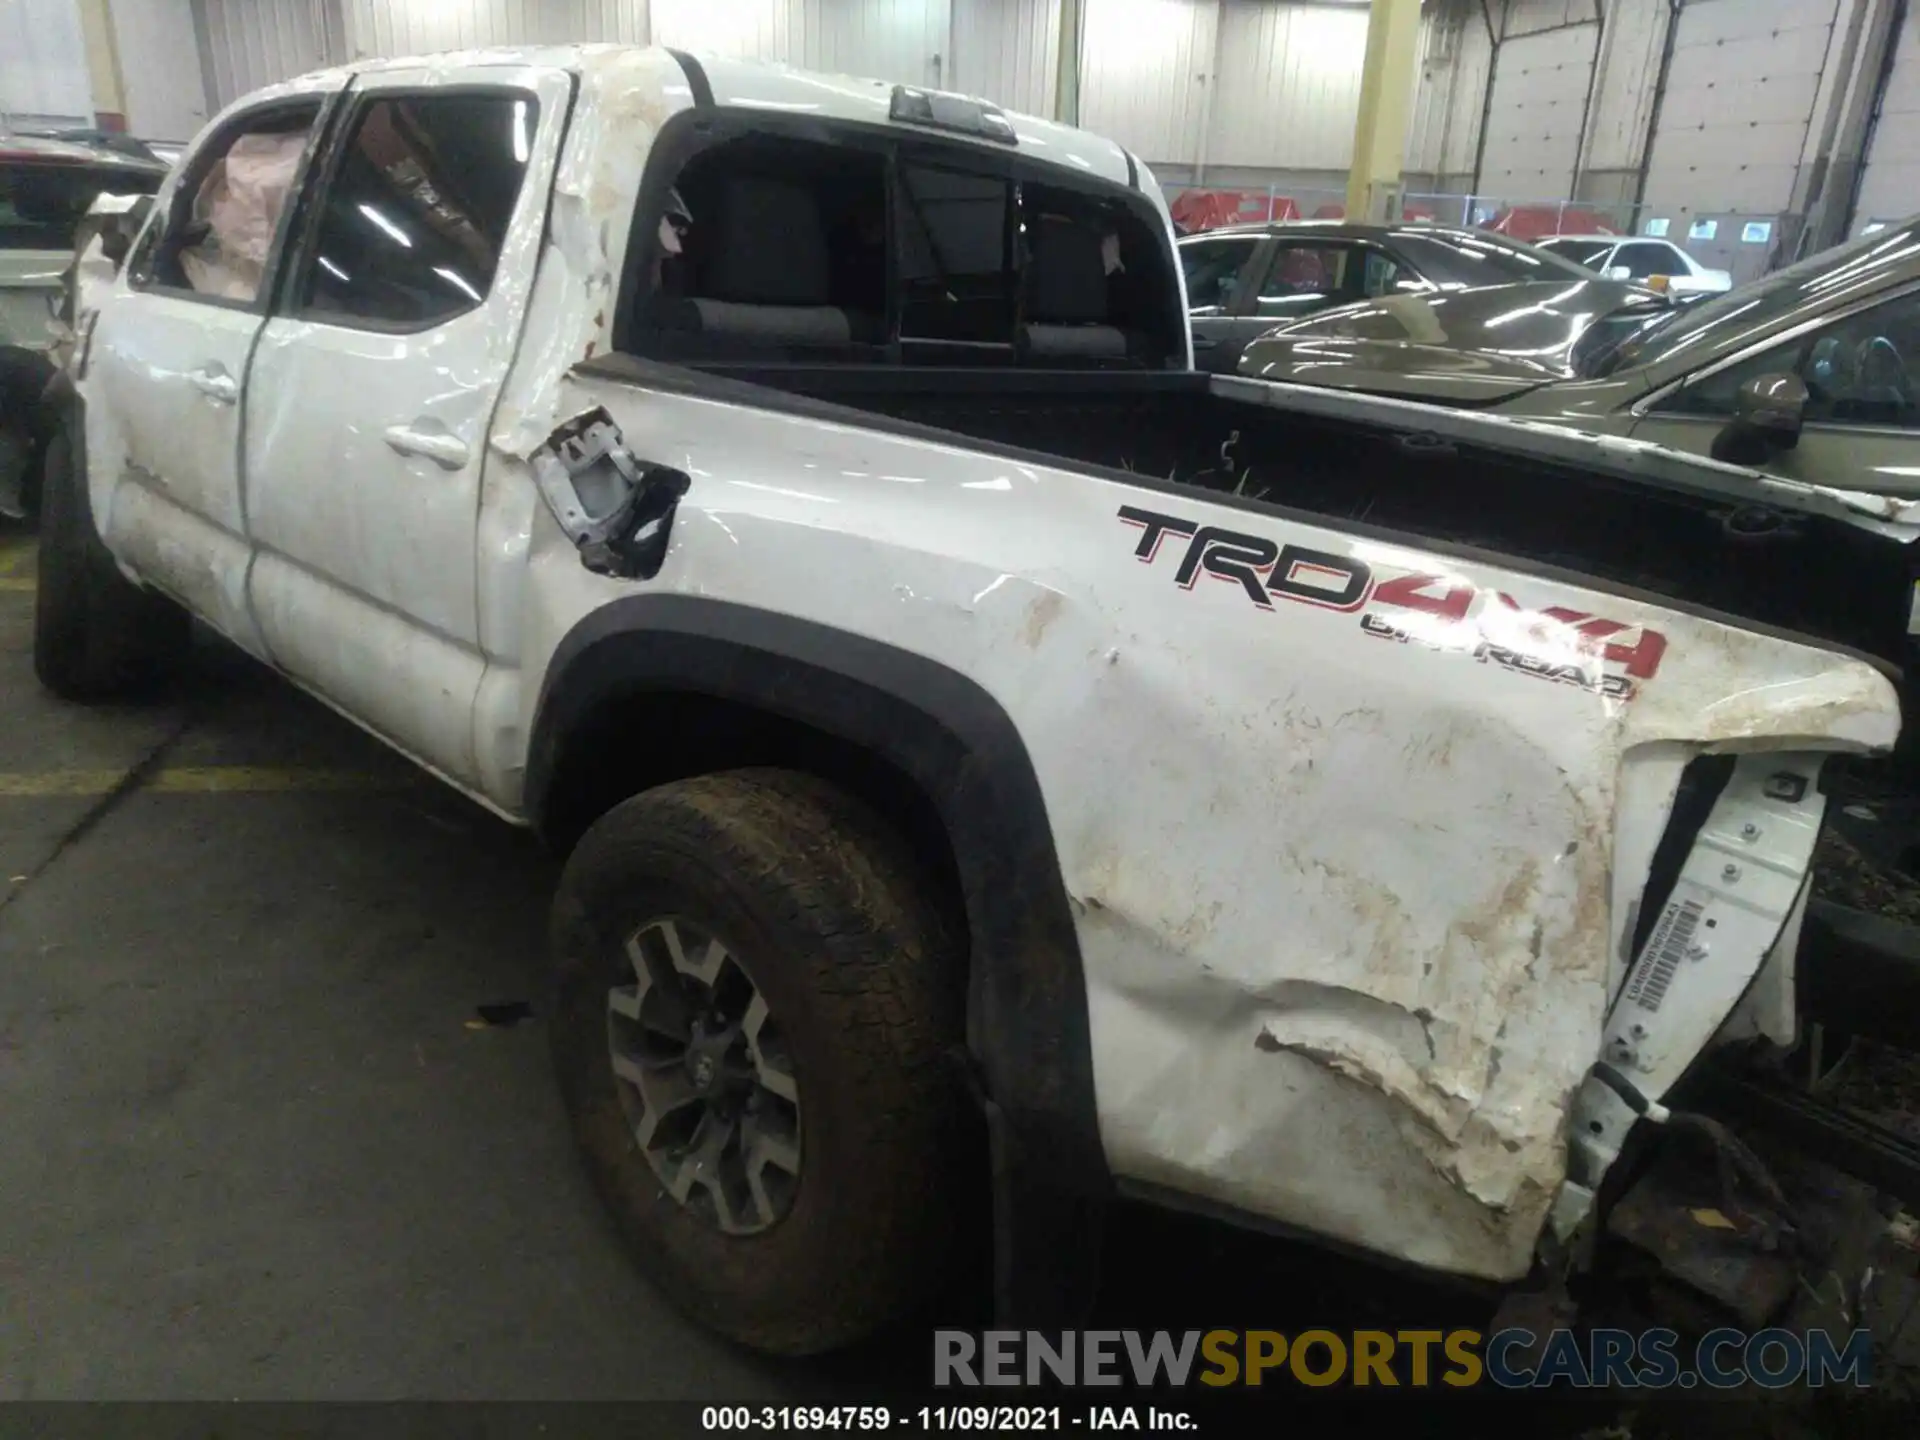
[[252, 1145]]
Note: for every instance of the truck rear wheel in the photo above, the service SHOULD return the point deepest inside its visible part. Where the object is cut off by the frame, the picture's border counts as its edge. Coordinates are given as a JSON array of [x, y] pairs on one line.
[[96, 635], [754, 1004]]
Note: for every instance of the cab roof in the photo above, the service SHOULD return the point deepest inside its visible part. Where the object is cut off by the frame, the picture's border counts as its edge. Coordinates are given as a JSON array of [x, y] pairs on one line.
[[749, 84]]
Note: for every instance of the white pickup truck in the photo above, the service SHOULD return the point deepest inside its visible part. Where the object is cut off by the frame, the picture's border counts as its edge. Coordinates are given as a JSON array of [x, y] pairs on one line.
[[793, 496]]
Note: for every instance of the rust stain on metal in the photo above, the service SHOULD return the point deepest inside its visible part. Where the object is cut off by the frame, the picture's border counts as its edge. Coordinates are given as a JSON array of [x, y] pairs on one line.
[[1044, 610]]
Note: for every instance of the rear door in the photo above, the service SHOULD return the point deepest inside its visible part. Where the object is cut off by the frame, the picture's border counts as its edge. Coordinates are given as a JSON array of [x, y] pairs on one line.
[[167, 360], [374, 386], [1223, 275]]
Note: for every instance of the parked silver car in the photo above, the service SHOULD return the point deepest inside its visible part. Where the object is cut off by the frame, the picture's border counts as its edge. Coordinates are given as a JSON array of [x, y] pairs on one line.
[[1243, 280], [1812, 372], [1651, 260]]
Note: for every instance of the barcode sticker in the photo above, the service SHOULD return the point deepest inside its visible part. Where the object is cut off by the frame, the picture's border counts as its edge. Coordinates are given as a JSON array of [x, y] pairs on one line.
[[1665, 950]]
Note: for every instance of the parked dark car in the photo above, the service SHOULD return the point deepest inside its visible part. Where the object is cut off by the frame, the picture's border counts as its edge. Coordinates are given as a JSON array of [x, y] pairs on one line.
[[1244, 280], [1812, 372], [47, 185]]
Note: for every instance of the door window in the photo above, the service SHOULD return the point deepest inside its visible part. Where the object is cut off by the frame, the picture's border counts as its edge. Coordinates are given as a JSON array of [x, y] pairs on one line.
[[1383, 275], [1643, 260], [227, 212], [415, 214], [1863, 370], [1590, 253], [772, 244], [1217, 272], [1305, 278], [955, 256]]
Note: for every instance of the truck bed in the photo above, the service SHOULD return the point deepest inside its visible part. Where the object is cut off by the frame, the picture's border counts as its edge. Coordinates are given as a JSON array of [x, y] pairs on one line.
[[1606, 517]]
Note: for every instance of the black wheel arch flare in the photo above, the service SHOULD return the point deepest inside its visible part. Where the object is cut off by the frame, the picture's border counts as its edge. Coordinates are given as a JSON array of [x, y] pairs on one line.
[[1028, 1025]]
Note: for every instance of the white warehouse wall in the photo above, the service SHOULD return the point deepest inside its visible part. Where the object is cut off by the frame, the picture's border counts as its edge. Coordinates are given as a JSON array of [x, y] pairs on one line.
[[1284, 99], [250, 43], [395, 27], [43, 64], [160, 68], [1146, 69], [1740, 99], [1007, 51], [1204, 89], [1890, 184], [1288, 85], [1736, 110], [1455, 53], [900, 40], [1537, 121], [1623, 94]]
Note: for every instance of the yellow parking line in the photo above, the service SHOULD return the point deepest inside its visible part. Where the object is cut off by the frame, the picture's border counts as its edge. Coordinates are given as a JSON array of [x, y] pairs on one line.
[[13, 555], [264, 779], [15, 587], [61, 782], [197, 780]]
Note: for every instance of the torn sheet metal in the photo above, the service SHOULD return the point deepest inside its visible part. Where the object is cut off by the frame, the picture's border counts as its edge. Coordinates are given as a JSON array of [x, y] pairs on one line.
[[1353, 872], [617, 510], [623, 98]]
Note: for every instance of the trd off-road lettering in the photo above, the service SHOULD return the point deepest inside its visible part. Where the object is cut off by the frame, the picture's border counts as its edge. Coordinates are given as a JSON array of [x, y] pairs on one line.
[[1436, 611]]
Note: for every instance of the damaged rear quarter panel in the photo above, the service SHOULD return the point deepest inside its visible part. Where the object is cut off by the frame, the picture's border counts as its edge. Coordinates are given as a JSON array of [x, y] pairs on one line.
[[1346, 900]]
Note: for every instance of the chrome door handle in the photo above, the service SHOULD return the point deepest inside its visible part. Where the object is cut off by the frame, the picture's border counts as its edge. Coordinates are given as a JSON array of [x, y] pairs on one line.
[[444, 448], [216, 384]]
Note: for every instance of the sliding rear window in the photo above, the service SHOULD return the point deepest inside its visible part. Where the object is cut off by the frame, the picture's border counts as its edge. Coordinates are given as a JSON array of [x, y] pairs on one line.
[[858, 245]]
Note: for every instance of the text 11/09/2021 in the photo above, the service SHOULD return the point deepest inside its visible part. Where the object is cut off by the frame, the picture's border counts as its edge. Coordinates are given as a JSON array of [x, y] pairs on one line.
[[934, 1419]]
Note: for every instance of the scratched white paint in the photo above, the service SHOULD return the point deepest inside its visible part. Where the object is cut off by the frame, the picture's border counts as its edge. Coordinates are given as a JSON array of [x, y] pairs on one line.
[[1349, 905], [1338, 897]]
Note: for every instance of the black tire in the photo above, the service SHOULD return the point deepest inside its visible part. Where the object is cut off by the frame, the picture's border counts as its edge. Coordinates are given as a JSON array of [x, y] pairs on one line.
[[27, 420], [842, 936], [96, 635], [15, 438]]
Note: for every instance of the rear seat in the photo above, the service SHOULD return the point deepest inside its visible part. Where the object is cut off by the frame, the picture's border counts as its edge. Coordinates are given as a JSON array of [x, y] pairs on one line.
[[766, 280], [1067, 296]]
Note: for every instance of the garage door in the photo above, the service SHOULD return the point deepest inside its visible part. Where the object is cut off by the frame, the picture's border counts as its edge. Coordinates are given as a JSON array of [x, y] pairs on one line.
[[1890, 186], [1539, 97]]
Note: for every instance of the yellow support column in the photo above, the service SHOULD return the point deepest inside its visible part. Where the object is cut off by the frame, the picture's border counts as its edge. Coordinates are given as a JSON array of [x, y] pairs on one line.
[[1386, 97]]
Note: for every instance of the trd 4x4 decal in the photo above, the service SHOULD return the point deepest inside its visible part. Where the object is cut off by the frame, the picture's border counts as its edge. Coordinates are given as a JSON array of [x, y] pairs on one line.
[[1569, 647]]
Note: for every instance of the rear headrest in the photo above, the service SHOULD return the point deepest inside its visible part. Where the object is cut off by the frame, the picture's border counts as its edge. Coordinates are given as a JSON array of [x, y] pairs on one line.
[[768, 245], [1067, 278]]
